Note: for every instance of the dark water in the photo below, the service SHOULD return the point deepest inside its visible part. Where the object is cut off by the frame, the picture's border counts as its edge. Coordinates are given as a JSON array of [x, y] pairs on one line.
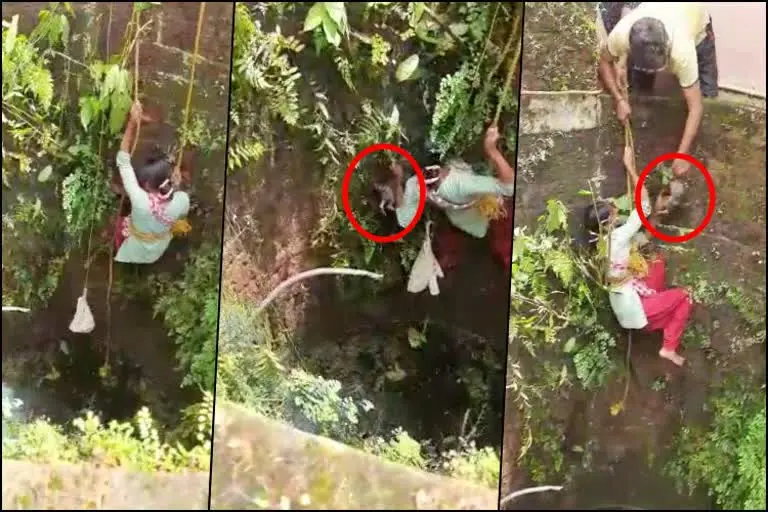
[[69, 378]]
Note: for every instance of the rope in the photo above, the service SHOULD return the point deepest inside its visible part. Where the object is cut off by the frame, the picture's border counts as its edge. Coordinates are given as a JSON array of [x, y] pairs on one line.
[[630, 143], [182, 227], [515, 34], [201, 12], [110, 281], [487, 41], [491, 206]]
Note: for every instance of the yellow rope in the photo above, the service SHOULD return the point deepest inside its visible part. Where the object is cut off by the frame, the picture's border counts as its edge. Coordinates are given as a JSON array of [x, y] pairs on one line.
[[492, 206], [137, 24], [182, 227], [515, 34], [637, 264]]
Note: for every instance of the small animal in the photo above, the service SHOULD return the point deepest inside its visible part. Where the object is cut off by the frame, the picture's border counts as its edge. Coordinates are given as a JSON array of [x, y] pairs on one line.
[[386, 197], [670, 197]]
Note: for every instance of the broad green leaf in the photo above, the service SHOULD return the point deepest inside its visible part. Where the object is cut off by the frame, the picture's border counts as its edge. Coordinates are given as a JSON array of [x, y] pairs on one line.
[[111, 80], [585, 192], [416, 338], [370, 250], [623, 203], [97, 70], [417, 13], [89, 109], [394, 117], [407, 68], [331, 31], [314, 17], [119, 108], [10, 36], [64, 29], [556, 216], [45, 174], [570, 346], [337, 12], [143, 6]]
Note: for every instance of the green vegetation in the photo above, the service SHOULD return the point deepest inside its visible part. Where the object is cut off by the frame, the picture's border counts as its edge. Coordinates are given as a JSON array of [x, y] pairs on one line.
[[728, 457], [137, 444], [252, 371], [561, 333], [64, 105]]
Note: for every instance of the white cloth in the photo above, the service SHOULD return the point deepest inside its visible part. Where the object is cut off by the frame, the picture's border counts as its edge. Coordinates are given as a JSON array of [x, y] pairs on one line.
[[426, 270], [83, 322]]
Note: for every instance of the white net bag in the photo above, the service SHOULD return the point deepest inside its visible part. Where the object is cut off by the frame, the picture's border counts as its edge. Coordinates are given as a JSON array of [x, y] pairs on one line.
[[83, 322], [426, 270]]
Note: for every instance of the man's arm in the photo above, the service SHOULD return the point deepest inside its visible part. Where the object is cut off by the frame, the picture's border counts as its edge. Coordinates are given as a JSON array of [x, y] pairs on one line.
[[695, 104], [612, 69], [608, 76]]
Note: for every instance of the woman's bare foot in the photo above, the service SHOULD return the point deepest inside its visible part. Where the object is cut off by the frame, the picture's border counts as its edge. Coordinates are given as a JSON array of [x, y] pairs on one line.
[[673, 356]]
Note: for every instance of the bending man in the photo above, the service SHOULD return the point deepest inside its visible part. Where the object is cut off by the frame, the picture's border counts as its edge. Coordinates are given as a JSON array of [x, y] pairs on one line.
[[638, 41]]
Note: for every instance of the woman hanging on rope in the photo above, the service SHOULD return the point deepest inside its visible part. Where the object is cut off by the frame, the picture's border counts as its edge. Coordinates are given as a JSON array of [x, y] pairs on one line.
[[454, 188], [156, 204], [639, 296]]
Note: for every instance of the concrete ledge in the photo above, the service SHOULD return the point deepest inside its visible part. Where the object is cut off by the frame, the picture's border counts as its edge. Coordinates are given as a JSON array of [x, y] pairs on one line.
[[270, 464], [542, 112], [567, 111], [63, 486]]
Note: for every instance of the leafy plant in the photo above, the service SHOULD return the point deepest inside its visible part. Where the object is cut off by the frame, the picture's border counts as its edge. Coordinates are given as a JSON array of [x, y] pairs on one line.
[[330, 18], [134, 445], [189, 308], [481, 466], [400, 448], [728, 458]]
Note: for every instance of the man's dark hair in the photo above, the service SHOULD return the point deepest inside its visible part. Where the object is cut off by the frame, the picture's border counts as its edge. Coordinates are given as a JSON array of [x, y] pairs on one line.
[[648, 41]]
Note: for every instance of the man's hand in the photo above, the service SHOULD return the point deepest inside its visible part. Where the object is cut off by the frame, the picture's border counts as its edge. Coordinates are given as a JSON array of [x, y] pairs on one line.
[[680, 168], [491, 138], [623, 110]]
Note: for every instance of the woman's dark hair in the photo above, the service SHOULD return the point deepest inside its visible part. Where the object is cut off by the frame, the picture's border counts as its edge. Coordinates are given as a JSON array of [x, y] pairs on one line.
[[156, 172], [594, 216]]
